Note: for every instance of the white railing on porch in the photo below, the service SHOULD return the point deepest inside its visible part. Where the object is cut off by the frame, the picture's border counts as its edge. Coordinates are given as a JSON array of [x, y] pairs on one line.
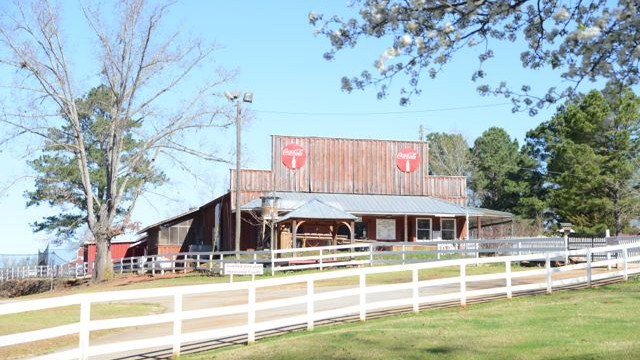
[[413, 293]]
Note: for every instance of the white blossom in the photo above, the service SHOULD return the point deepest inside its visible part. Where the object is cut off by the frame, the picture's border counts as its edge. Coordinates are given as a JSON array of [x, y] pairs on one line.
[[561, 15], [405, 40], [447, 28], [588, 33]]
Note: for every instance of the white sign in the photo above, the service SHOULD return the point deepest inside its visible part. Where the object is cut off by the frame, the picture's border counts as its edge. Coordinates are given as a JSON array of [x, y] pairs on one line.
[[243, 269], [385, 229]]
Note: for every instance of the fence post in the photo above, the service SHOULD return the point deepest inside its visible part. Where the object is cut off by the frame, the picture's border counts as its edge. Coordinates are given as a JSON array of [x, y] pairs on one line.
[[83, 335], [438, 251], [508, 273], [370, 254], [310, 303], [519, 248], [625, 267], [416, 291], [363, 297], [608, 261], [463, 285], [273, 270], [589, 267], [177, 323], [566, 249], [251, 316], [221, 263], [477, 245], [255, 258], [547, 265], [173, 263], [321, 260], [403, 248]]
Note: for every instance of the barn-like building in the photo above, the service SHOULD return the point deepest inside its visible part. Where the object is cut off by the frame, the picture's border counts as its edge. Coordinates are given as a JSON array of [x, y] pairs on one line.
[[329, 191]]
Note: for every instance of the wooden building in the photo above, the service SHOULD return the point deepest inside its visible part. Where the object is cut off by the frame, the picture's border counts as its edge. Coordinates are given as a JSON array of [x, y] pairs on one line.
[[373, 189]]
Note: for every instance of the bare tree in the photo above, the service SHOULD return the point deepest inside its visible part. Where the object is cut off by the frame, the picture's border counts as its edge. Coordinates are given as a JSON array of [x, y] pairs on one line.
[[449, 154], [144, 67]]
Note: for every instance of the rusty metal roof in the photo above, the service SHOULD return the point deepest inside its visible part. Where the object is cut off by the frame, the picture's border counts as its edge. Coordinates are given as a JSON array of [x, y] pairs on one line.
[[360, 204], [317, 210]]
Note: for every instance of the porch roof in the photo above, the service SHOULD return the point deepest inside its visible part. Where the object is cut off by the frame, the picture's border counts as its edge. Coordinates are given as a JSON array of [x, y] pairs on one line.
[[316, 209], [365, 204]]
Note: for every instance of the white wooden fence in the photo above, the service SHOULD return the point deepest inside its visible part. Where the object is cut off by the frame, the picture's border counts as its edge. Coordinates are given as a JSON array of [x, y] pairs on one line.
[[366, 297], [371, 253]]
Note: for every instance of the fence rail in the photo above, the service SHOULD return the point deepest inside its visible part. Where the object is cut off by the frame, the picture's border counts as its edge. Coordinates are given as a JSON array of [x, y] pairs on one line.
[[364, 297], [369, 253]]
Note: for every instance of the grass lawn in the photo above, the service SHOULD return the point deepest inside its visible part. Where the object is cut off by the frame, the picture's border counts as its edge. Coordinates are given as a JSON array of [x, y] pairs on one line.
[[598, 323], [34, 320]]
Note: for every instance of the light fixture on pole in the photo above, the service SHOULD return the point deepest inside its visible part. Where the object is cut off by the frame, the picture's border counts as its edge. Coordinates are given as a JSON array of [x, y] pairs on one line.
[[248, 98]]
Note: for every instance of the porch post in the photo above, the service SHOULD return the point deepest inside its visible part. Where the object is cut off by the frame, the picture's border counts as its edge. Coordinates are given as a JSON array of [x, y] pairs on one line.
[[353, 233], [294, 229], [406, 228]]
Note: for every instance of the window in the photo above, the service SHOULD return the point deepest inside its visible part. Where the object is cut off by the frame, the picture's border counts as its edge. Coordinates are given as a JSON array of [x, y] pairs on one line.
[[423, 229], [176, 234], [448, 227], [361, 230]]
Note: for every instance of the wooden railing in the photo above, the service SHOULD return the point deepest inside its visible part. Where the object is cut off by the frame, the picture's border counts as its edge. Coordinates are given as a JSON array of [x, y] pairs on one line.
[[367, 297]]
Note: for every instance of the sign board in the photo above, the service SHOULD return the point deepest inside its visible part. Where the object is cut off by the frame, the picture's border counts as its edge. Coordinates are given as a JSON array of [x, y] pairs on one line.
[[243, 269], [293, 156], [385, 229], [407, 160]]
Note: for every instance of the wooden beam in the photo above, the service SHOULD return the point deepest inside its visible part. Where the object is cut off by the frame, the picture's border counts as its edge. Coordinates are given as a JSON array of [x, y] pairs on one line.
[[406, 228], [294, 229], [353, 232]]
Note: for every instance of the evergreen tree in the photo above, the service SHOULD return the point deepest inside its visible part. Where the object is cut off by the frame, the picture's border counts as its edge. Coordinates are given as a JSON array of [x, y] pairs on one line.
[[502, 178], [59, 181], [590, 152]]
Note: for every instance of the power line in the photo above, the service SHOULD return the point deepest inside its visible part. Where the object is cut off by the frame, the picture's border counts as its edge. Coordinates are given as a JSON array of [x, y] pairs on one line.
[[379, 113]]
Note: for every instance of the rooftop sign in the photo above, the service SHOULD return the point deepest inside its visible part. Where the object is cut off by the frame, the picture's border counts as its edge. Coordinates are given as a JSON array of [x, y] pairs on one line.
[[293, 156], [407, 160]]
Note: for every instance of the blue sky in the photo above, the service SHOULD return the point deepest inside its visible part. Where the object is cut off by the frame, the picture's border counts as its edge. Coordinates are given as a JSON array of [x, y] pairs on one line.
[[296, 92]]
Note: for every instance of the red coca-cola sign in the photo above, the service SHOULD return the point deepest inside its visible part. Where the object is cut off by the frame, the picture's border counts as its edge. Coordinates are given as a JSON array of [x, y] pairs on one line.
[[293, 156], [407, 160]]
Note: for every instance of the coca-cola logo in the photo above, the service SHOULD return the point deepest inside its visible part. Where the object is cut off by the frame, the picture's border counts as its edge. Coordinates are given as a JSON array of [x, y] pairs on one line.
[[293, 156], [293, 152], [407, 160]]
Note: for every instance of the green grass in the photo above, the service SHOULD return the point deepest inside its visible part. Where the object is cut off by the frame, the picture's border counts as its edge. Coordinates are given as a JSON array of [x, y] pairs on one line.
[[599, 323], [35, 320]]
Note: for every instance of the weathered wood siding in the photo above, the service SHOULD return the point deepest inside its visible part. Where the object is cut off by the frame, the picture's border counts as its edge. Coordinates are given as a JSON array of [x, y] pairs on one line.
[[349, 166], [450, 188], [253, 184]]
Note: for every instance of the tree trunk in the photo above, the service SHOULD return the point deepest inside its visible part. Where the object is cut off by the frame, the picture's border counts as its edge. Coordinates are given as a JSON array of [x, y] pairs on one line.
[[103, 268], [617, 214]]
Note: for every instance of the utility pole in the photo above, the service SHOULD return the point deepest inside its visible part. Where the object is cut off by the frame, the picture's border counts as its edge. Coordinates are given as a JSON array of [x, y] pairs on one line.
[[238, 204], [248, 98]]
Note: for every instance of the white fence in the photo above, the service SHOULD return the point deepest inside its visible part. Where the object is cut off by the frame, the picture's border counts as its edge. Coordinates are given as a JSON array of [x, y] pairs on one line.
[[45, 271], [371, 253], [364, 298]]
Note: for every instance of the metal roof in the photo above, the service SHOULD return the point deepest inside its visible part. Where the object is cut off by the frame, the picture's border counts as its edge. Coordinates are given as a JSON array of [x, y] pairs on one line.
[[360, 204], [318, 210], [166, 221]]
